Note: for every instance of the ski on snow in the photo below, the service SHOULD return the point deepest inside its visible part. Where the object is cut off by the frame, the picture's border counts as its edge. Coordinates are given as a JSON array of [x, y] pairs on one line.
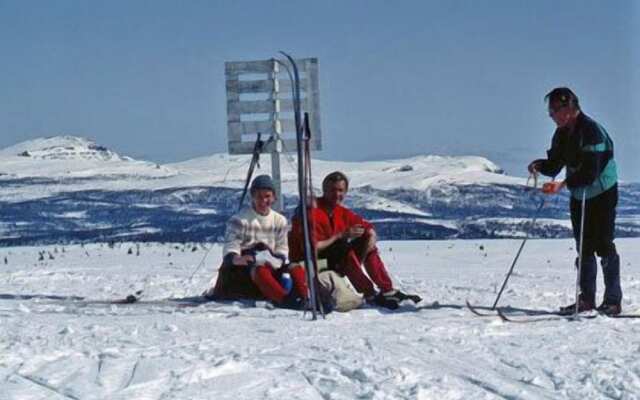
[[522, 315], [476, 310], [131, 299], [550, 316], [558, 316], [484, 311], [135, 301]]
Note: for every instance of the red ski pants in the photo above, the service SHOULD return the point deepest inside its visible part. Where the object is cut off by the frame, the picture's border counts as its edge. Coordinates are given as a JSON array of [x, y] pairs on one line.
[[343, 258], [266, 278]]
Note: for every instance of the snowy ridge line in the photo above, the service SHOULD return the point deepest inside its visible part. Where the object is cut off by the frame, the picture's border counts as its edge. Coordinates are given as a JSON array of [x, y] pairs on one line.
[[200, 214], [53, 192]]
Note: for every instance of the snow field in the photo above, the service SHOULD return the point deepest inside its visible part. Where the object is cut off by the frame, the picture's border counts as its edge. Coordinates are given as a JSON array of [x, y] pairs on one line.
[[64, 349]]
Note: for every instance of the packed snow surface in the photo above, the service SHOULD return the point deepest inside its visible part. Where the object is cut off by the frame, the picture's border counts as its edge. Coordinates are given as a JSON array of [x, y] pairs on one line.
[[67, 349]]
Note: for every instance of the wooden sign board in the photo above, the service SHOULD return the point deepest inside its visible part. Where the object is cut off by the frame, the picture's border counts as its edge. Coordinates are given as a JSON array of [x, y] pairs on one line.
[[259, 100]]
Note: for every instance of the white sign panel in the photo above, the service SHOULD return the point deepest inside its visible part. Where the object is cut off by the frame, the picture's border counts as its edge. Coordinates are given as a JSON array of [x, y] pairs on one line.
[[259, 100]]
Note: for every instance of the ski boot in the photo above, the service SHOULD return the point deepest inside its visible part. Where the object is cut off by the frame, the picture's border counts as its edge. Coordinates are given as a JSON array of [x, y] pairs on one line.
[[400, 296], [293, 302], [583, 305], [609, 309], [381, 300]]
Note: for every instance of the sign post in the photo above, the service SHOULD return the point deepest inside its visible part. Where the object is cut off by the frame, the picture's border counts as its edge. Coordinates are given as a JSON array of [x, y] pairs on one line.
[[259, 100]]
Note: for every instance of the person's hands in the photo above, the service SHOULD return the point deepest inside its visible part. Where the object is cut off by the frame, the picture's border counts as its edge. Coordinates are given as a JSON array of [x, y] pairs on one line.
[[353, 232], [534, 166], [243, 260], [552, 187], [372, 238]]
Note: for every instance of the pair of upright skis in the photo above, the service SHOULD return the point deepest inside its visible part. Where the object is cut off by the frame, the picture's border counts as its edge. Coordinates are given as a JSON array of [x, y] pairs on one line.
[[305, 187]]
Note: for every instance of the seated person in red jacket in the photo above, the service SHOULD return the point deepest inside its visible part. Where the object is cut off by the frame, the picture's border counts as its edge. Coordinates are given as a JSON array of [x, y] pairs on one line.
[[348, 241], [255, 254]]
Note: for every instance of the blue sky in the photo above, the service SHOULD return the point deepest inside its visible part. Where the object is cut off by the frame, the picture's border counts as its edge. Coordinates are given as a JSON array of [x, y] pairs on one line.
[[146, 78]]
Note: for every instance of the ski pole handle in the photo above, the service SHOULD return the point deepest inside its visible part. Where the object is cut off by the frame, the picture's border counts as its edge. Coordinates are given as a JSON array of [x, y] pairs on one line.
[[533, 176]]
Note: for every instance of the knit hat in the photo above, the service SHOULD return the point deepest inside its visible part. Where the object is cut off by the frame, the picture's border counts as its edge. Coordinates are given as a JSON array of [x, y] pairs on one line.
[[262, 182]]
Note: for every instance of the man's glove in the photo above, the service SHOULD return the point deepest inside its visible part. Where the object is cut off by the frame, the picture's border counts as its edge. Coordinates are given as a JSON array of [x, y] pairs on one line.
[[552, 187]]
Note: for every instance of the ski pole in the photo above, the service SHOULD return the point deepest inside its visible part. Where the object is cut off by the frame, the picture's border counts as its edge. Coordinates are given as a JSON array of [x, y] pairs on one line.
[[581, 246], [533, 176], [515, 260]]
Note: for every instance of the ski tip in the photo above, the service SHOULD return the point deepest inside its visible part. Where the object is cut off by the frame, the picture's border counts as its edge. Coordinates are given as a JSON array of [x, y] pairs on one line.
[[502, 316], [470, 306], [131, 299]]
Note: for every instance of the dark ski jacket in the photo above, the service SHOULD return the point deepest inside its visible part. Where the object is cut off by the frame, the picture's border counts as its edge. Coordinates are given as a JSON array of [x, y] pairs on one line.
[[587, 153]]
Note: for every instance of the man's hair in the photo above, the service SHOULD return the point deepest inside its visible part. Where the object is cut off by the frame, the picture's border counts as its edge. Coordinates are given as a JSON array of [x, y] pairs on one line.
[[334, 177], [564, 96]]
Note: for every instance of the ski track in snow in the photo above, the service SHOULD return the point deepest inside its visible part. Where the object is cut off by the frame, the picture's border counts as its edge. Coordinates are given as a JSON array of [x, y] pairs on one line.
[[65, 349]]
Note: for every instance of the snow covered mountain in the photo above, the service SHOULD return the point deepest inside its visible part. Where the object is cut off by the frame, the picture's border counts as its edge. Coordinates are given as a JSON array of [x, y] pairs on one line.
[[66, 188], [62, 148]]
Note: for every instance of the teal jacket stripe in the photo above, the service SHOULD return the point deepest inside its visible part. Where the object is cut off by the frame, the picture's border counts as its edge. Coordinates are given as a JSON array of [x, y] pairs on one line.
[[600, 147], [608, 177]]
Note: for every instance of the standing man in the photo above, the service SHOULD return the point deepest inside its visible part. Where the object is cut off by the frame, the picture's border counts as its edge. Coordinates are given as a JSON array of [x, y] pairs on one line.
[[583, 146], [255, 254], [348, 241]]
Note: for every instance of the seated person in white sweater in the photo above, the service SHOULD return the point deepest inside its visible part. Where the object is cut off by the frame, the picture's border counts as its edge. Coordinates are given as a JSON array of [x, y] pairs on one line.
[[255, 254]]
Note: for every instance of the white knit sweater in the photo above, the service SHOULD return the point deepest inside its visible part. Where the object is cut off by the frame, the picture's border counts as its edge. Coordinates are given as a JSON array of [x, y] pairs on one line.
[[248, 228]]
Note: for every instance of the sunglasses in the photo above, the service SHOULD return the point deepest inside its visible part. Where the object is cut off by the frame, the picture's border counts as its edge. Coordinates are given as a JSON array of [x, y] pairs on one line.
[[554, 110]]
